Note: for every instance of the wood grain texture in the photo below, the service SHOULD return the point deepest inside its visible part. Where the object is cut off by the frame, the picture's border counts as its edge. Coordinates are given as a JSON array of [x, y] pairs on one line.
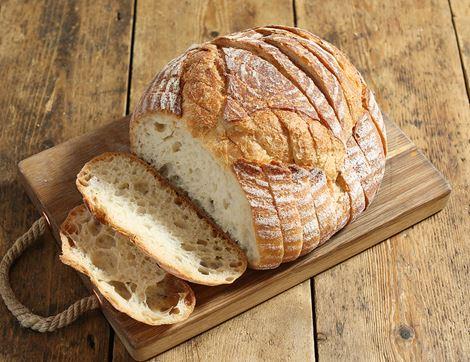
[[46, 47], [200, 21], [272, 341], [460, 10], [160, 38], [402, 201], [63, 71], [405, 299]]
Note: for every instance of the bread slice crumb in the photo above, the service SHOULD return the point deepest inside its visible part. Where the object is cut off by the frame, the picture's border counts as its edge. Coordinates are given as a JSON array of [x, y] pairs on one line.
[[131, 281], [124, 192]]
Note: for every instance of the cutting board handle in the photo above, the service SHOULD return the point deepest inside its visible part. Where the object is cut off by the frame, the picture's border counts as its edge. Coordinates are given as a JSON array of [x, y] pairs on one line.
[[26, 318]]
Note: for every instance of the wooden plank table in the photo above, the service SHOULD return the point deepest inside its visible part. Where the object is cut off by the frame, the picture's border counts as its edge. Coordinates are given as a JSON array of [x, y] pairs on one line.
[[67, 67]]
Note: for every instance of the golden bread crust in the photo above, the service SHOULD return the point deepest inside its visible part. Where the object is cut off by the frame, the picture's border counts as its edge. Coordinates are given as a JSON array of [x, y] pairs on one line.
[[306, 207], [279, 98], [265, 220], [368, 100], [282, 189]]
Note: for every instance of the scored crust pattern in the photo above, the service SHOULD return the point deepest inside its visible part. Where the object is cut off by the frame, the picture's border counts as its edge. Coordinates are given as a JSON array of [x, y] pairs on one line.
[[292, 118]]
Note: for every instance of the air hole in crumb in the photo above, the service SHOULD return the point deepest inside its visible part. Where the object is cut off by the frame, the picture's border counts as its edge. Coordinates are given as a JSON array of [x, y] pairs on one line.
[[235, 264], [71, 243], [95, 228], [105, 241], [215, 265], [229, 279], [164, 170], [119, 193], [175, 311], [180, 224], [203, 263], [217, 248], [141, 187], [201, 242], [157, 300], [132, 286], [103, 260], [123, 186], [187, 247], [174, 179], [178, 201], [203, 271], [83, 183], [176, 146], [226, 204], [121, 289], [214, 233], [159, 127]]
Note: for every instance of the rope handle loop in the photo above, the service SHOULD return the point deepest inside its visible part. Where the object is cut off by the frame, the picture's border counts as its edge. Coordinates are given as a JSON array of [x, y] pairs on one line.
[[26, 318]]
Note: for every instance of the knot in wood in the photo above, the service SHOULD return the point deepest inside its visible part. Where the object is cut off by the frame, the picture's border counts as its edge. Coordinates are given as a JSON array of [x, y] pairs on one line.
[[406, 332]]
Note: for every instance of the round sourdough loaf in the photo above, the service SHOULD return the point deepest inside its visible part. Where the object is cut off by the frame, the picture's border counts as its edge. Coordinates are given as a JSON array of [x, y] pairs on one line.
[[272, 131]]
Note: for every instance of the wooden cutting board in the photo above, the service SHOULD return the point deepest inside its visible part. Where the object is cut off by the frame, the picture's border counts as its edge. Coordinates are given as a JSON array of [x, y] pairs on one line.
[[412, 190]]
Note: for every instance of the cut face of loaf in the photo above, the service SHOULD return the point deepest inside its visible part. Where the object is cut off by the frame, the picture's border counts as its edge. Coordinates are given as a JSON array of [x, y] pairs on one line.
[[272, 131], [125, 193], [167, 145], [130, 280]]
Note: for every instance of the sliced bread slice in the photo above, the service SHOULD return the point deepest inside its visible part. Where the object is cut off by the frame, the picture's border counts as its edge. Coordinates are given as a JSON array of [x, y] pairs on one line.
[[130, 280], [124, 192]]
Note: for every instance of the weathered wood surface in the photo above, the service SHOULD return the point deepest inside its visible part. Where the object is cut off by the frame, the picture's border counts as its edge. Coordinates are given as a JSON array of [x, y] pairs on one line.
[[412, 189], [272, 340], [460, 11], [63, 71], [405, 299]]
